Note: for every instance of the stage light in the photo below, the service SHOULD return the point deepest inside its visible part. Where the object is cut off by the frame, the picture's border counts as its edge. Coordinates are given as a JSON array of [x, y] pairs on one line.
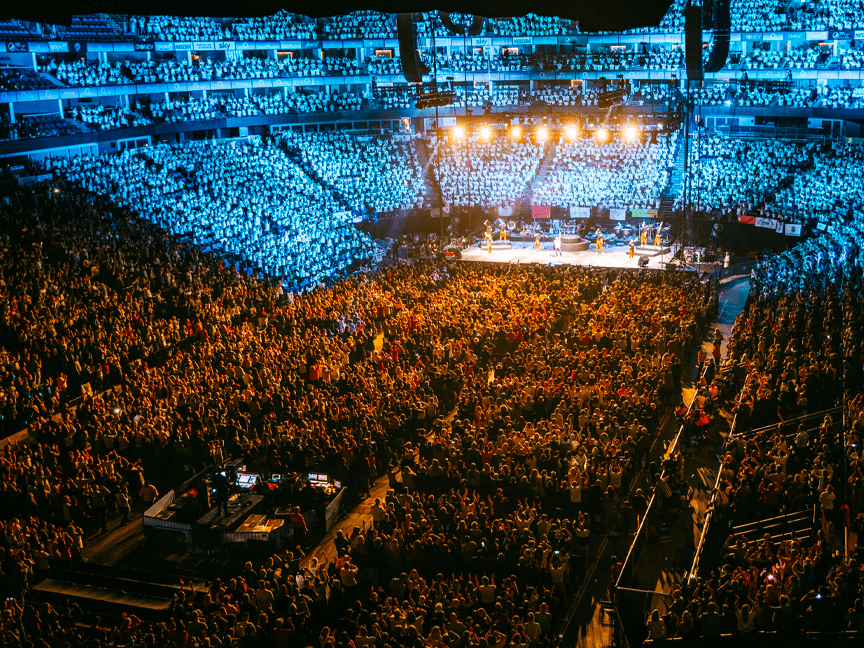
[[458, 133], [485, 133], [541, 134], [516, 133], [602, 134], [631, 133], [572, 132]]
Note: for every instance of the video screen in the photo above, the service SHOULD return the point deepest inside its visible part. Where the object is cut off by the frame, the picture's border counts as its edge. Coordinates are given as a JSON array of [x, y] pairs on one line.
[[247, 480]]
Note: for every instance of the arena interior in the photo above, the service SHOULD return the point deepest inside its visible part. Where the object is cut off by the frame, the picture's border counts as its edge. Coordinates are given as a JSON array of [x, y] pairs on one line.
[[431, 329]]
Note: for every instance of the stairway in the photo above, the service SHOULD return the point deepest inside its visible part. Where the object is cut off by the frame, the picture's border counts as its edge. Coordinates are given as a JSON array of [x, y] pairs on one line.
[[522, 209], [426, 158], [675, 185]]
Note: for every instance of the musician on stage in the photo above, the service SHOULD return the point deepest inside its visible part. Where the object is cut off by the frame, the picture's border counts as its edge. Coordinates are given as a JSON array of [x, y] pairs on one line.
[[632, 251], [537, 245], [503, 235], [643, 234], [599, 244], [658, 239]]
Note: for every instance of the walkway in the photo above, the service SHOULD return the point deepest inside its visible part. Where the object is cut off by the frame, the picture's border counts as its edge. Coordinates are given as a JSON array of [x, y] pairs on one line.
[[667, 557]]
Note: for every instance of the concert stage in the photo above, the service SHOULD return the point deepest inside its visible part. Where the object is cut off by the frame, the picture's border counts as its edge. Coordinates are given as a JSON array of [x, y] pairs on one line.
[[524, 252]]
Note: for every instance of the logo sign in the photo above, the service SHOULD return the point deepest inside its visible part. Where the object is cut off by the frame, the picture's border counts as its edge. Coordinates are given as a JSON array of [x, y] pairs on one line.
[[16, 46], [145, 46], [224, 45], [794, 229], [767, 223], [618, 214], [204, 45], [164, 47], [580, 212], [182, 47], [58, 47]]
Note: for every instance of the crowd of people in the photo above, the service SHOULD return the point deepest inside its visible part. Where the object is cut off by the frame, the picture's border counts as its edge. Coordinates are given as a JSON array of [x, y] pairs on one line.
[[484, 535], [588, 173], [781, 179], [102, 117], [799, 339], [495, 173], [367, 173], [279, 26], [87, 72], [241, 198]]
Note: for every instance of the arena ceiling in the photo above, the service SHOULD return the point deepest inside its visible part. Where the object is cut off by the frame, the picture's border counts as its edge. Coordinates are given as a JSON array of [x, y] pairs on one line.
[[593, 15]]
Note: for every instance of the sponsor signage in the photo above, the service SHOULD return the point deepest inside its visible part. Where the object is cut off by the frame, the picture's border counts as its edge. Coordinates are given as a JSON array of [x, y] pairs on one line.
[[145, 46], [204, 45], [580, 212], [164, 47], [618, 214], [793, 229], [842, 34], [17, 46], [746, 219], [767, 223], [182, 47], [816, 35], [522, 40], [225, 45]]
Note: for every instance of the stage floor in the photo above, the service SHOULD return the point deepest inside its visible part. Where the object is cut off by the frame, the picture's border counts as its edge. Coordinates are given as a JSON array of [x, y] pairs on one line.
[[615, 257]]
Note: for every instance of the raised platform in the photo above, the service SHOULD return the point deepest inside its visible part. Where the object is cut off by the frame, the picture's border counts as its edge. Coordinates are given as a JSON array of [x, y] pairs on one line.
[[612, 257], [652, 250], [574, 244]]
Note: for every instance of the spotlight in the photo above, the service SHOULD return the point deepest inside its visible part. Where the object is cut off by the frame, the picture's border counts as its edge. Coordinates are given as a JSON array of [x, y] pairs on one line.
[[516, 133], [541, 134], [602, 134], [572, 132], [631, 133], [458, 132], [485, 133]]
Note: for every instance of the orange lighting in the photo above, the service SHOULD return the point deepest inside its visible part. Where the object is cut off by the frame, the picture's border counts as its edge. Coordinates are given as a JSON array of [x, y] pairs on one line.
[[631, 133], [516, 133], [485, 132], [572, 132], [602, 135], [458, 132], [542, 134]]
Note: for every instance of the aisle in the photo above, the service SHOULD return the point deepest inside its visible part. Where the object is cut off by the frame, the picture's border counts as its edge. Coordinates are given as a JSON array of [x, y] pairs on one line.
[[663, 562]]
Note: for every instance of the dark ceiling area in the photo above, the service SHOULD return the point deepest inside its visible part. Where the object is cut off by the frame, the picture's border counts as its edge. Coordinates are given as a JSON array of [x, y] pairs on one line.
[[593, 15]]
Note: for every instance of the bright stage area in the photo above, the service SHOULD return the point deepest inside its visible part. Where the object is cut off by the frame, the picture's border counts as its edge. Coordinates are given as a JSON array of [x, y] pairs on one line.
[[524, 252]]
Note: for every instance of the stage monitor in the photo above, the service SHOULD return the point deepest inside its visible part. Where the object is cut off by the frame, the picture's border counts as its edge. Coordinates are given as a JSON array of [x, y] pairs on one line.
[[246, 480], [276, 479]]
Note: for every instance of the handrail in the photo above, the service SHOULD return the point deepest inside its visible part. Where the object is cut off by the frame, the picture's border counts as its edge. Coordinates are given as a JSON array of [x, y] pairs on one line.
[[648, 512], [768, 428]]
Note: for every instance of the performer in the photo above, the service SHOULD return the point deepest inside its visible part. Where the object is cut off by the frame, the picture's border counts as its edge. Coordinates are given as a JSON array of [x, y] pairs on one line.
[[599, 244], [658, 239], [643, 234], [558, 246], [537, 245], [632, 252], [487, 237], [503, 235]]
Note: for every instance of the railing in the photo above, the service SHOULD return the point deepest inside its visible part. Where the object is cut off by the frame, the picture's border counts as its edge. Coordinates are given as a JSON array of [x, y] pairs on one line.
[[629, 611], [706, 527]]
